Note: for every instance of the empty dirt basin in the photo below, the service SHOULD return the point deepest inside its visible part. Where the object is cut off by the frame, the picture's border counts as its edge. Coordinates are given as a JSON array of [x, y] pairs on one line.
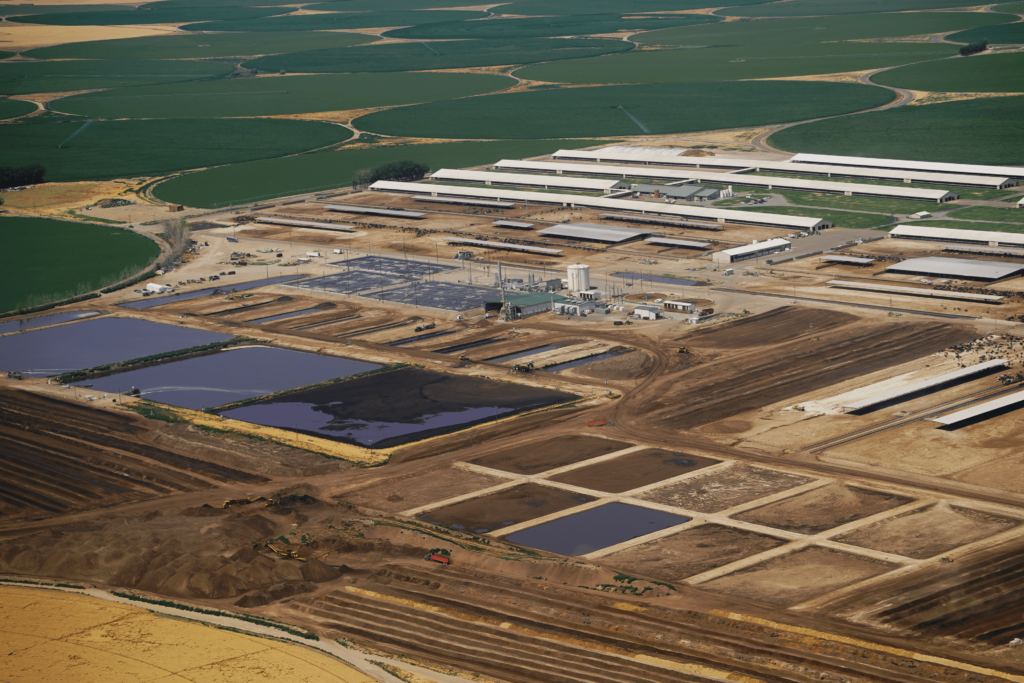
[[822, 509], [541, 456], [634, 470], [504, 508], [691, 552], [799, 576], [936, 530], [723, 489], [411, 491]]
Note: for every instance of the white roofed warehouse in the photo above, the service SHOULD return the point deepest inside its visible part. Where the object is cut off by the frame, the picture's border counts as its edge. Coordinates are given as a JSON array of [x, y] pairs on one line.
[[987, 238], [961, 269], [750, 251], [532, 181]]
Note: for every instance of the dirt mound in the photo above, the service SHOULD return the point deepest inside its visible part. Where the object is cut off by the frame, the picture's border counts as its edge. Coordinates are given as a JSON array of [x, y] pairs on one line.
[[782, 324], [631, 365], [316, 571], [274, 593]]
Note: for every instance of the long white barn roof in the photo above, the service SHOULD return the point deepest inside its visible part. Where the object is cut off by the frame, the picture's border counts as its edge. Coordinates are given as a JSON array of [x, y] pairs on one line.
[[780, 182], [893, 174], [598, 184], [908, 389], [776, 243], [932, 166], [606, 155], [983, 237], [979, 410], [657, 209]]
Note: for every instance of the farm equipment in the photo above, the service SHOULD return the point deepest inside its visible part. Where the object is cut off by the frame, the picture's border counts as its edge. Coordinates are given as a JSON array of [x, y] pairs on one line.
[[440, 559], [683, 349], [597, 423], [463, 357], [239, 501], [522, 367]]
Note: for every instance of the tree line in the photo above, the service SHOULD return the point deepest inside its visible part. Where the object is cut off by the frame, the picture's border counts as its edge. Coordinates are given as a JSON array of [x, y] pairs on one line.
[[395, 170]]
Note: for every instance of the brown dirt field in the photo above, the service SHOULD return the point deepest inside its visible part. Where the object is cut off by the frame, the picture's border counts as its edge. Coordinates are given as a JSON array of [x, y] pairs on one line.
[[392, 494], [717, 491], [776, 326], [512, 506], [798, 576], [632, 365], [634, 470], [537, 457], [822, 509], [925, 534], [691, 552]]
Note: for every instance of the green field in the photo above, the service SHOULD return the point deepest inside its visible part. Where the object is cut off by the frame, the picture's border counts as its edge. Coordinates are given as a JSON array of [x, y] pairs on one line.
[[154, 13], [20, 78], [990, 213], [272, 96], [5, 55], [539, 27], [978, 73], [842, 219], [818, 29], [53, 259], [625, 110], [328, 22], [805, 8], [1012, 34], [16, 10], [444, 54], [969, 225], [541, 7], [11, 108], [118, 149], [982, 131], [734, 63], [201, 46], [240, 183], [393, 5]]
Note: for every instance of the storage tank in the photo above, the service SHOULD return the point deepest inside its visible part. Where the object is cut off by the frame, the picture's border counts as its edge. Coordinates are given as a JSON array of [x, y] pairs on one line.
[[579, 278]]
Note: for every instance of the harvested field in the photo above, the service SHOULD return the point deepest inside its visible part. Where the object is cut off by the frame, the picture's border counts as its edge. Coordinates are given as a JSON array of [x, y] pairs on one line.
[[634, 470], [822, 509], [798, 576], [504, 508], [774, 327], [60, 457], [723, 489], [393, 494], [550, 454], [690, 552], [923, 534]]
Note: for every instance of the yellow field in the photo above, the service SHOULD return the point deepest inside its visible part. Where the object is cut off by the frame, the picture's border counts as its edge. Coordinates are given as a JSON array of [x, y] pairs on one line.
[[54, 636]]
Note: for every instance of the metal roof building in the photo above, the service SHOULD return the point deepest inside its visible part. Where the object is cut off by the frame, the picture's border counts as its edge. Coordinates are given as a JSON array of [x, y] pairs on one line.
[[524, 180], [699, 225], [706, 176], [889, 174], [851, 260], [982, 238], [906, 165], [611, 156], [305, 224], [348, 208], [526, 305], [915, 291], [467, 202], [770, 220], [975, 412], [675, 192], [505, 246], [749, 251], [666, 242], [931, 383], [963, 269], [591, 232], [515, 225]]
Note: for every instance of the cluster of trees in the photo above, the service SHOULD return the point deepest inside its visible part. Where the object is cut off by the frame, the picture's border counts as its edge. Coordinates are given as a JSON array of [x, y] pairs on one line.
[[395, 170], [16, 176], [974, 48]]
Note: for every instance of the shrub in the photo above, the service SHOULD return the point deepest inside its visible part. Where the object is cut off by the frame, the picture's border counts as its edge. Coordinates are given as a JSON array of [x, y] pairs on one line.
[[396, 170], [13, 176], [974, 48]]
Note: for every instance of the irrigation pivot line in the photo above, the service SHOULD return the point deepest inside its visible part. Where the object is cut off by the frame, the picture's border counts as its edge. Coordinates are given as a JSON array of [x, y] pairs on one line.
[[635, 120], [193, 94], [84, 126], [430, 48]]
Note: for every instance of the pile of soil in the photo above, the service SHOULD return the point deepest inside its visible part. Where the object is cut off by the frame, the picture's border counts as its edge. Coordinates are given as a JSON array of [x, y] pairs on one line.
[[631, 365]]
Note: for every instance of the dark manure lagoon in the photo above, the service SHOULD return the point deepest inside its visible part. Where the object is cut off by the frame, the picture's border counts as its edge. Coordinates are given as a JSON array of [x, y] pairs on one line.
[[228, 376], [394, 408]]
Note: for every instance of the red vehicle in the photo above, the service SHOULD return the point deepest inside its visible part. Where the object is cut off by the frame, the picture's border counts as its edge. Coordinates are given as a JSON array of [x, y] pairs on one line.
[[437, 558], [597, 423]]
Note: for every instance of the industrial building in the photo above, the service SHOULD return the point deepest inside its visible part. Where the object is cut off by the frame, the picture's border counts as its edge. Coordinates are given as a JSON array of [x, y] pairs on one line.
[[749, 251], [684, 244], [524, 305], [579, 278], [647, 312], [679, 306], [592, 232], [718, 178], [533, 181], [769, 220], [907, 165], [962, 269], [984, 238]]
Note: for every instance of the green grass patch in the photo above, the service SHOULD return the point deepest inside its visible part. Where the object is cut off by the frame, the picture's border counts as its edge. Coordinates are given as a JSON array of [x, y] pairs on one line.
[[842, 219], [436, 55], [120, 149], [981, 131], [240, 183], [990, 213], [805, 8], [48, 258], [979, 73], [19, 78], [539, 27], [329, 22], [734, 62], [970, 225], [153, 13], [843, 202], [273, 96], [5, 55], [625, 110], [1011, 33], [541, 7], [11, 108], [981, 193], [201, 45]]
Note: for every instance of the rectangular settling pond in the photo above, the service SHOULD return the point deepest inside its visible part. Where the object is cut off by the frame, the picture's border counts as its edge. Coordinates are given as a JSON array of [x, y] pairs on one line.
[[26, 324], [90, 343], [596, 528], [229, 376], [393, 408]]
